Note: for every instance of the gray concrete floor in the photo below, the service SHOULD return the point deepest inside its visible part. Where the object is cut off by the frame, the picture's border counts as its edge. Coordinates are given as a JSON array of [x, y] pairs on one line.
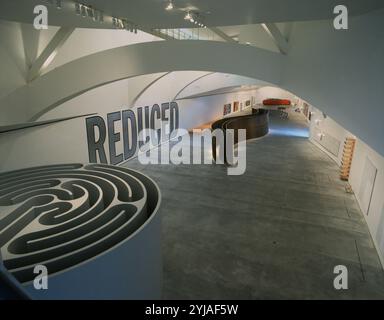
[[276, 232]]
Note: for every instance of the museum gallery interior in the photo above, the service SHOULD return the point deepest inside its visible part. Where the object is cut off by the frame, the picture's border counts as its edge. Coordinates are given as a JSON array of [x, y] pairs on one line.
[[174, 149]]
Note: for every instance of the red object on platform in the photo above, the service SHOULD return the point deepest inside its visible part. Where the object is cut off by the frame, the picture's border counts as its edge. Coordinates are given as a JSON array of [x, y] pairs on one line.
[[277, 102]]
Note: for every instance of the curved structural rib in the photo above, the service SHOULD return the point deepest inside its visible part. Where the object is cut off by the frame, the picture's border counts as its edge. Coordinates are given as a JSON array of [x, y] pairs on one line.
[[94, 227], [190, 83], [81, 75], [255, 124]]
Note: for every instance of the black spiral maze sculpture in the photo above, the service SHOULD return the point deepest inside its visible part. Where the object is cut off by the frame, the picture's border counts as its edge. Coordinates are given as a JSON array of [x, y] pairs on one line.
[[256, 125], [64, 215]]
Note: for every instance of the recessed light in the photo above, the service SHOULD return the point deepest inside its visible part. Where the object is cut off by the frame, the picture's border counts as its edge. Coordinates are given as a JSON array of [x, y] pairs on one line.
[[188, 16], [169, 6]]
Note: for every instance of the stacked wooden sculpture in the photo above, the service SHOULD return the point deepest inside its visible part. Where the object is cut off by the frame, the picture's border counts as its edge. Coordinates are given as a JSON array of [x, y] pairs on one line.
[[349, 146]]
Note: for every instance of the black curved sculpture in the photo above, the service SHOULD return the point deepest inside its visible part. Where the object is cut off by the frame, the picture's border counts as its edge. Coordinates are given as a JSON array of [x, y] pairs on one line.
[[94, 227], [256, 124]]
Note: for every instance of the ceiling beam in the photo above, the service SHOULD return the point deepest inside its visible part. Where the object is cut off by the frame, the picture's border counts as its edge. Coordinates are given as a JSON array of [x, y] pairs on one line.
[[158, 34], [31, 124], [218, 92], [49, 53], [134, 100], [222, 34], [274, 32], [190, 83]]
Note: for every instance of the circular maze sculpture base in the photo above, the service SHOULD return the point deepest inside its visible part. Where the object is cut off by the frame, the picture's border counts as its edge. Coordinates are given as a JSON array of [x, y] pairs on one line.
[[96, 228]]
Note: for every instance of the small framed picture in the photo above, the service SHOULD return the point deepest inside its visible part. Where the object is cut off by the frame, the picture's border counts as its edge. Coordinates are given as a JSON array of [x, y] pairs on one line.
[[236, 106], [227, 109]]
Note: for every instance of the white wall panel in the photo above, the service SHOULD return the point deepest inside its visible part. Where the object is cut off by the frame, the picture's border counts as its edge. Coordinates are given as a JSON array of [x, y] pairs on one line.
[[366, 175]]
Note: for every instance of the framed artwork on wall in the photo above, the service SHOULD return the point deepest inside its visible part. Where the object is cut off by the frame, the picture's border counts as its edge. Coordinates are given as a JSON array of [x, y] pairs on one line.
[[227, 109], [247, 103], [236, 106]]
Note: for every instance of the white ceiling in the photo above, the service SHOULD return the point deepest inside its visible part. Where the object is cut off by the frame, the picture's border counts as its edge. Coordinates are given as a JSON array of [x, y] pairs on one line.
[[151, 13]]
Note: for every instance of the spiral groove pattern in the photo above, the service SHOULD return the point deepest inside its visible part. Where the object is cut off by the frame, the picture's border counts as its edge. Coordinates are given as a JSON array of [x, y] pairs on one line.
[[63, 215]]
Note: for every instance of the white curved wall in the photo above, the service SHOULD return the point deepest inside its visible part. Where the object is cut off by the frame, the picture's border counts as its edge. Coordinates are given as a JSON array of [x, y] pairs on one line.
[[340, 72], [375, 214], [92, 71], [334, 70], [216, 81], [29, 99], [107, 98], [66, 141], [168, 86]]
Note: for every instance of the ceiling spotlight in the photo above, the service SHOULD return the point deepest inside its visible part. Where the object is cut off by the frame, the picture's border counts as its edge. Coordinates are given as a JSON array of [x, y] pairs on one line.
[[78, 8], [188, 16], [83, 11], [192, 20], [169, 6]]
